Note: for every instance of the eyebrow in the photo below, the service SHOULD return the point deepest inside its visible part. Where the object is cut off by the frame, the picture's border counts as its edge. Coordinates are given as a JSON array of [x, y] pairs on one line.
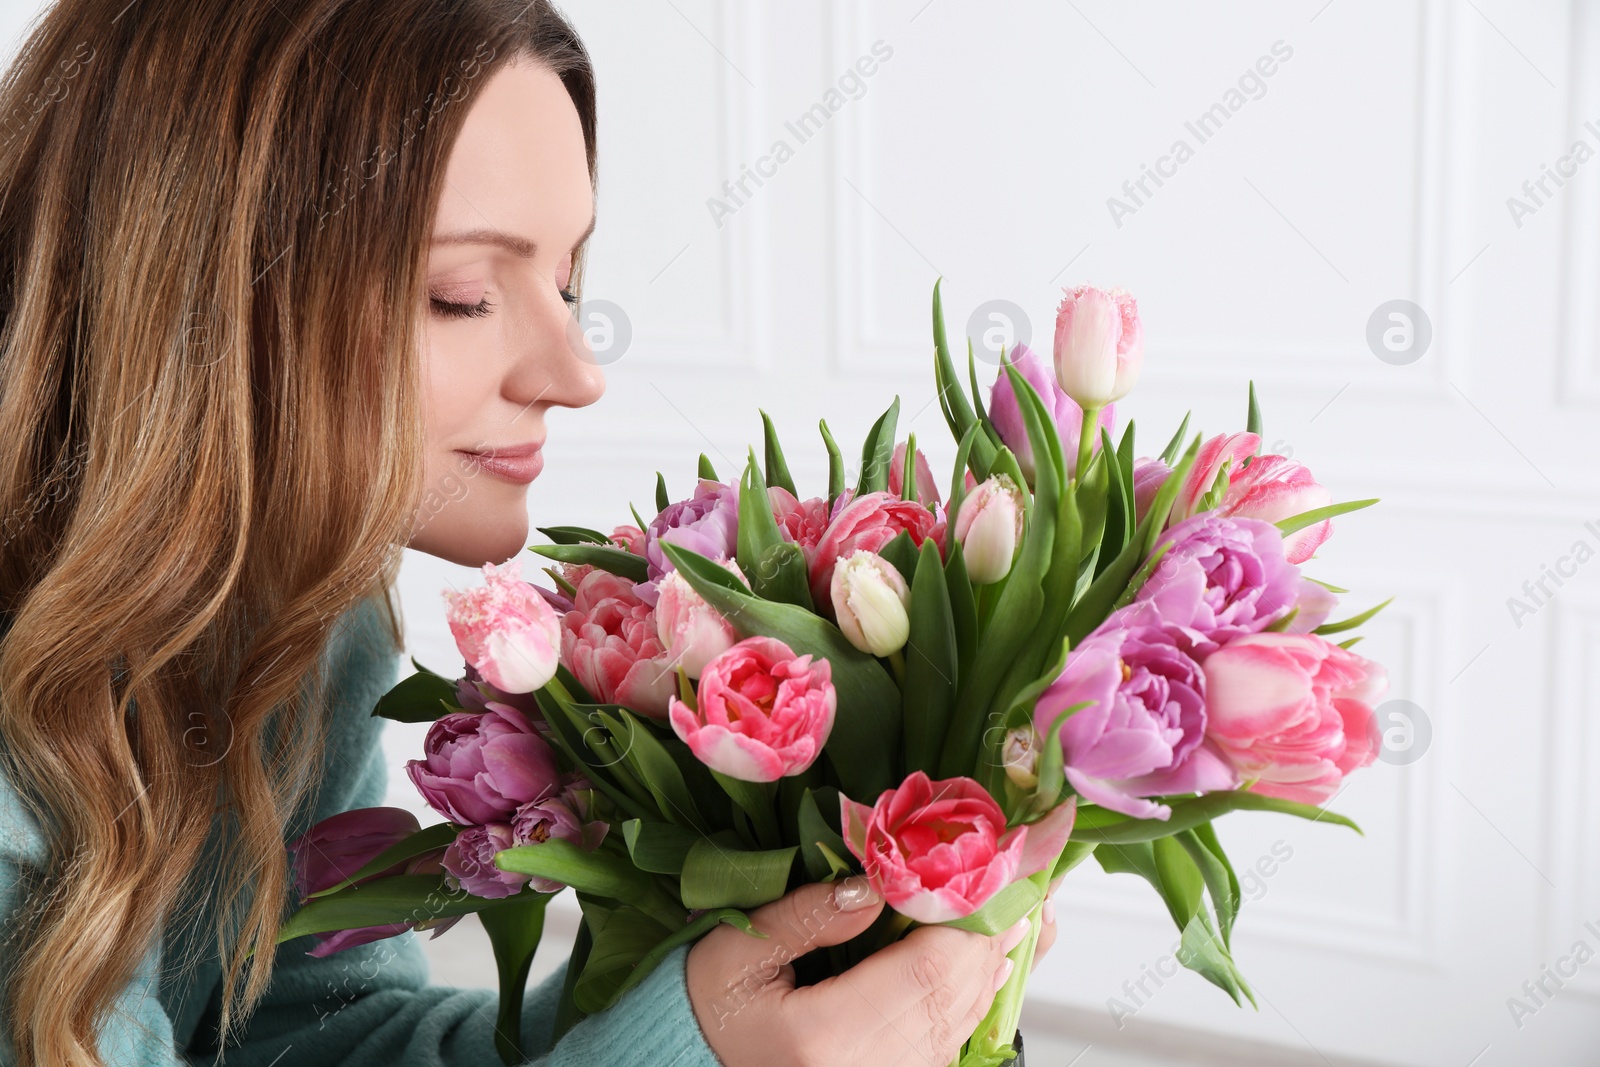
[[517, 246]]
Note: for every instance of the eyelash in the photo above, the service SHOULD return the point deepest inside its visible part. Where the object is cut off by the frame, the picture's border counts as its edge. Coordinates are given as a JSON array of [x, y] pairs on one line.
[[453, 310]]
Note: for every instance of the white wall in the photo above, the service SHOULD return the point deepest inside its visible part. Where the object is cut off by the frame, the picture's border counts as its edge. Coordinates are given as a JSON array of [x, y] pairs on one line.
[[1375, 165]]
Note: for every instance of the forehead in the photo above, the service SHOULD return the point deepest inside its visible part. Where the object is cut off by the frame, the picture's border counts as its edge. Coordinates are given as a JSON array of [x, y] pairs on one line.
[[519, 163]]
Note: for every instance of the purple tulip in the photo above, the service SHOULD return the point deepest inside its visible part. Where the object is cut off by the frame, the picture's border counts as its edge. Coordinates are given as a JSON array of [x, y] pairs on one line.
[[707, 523], [479, 766], [565, 817], [341, 845], [1143, 731], [1007, 416], [474, 693], [470, 861], [1220, 578]]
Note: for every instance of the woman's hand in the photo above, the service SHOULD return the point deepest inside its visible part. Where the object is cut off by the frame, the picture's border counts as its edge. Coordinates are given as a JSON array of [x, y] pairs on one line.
[[1047, 923], [914, 1002]]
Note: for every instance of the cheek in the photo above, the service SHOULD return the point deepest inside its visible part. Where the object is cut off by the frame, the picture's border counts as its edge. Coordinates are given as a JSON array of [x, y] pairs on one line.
[[451, 390]]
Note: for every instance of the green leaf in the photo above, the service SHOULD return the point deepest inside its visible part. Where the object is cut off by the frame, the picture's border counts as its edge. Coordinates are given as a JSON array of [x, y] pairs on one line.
[[1311, 518], [757, 800], [641, 970], [835, 463], [1252, 417], [1352, 622], [1169, 455], [877, 451], [902, 553], [774, 567], [653, 766], [398, 898], [514, 933], [624, 937], [929, 690], [567, 1013], [963, 608], [718, 877], [600, 873], [424, 840], [867, 717], [618, 562], [663, 501], [658, 847], [1001, 911], [1180, 880], [819, 835], [1203, 953], [707, 471], [908, 475], [1109, 827], [420, 697], [1221, 883], [572, 535], [777, 468]]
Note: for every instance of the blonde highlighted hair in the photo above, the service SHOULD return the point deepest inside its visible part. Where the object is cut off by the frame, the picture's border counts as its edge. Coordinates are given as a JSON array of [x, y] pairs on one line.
[[214, 220]]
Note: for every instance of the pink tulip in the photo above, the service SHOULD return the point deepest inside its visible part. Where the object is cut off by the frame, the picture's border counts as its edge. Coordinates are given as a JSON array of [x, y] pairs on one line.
[[867, 522], [763, 712], [629, 538], [938, 850], [1099, 345], [693, 632], [1214, 454], [989, 527], [609, 642], [1312, 608], [1293, 711], [1275, 488], [506, 630], [1149, 475], [927, 489], [800, 521]]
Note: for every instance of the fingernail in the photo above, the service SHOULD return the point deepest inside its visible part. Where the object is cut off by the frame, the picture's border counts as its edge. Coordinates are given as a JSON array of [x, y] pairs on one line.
[[855, 893], [1014, 936], [1047, 914], [1003, 973]]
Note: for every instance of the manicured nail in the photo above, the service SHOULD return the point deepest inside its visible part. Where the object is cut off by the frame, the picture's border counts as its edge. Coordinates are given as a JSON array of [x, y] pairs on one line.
[[1003, 973], [1014, 936], [1047, 913], [855, 893]]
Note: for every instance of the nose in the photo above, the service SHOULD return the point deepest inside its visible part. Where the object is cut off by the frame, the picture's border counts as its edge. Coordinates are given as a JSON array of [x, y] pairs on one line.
[[555, 364]]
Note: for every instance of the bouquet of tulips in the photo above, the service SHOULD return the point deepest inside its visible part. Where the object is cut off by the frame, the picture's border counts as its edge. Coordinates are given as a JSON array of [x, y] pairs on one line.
[[961, 695]]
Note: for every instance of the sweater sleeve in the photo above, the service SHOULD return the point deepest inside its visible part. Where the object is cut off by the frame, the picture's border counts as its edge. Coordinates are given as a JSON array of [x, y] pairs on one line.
[[372, 1005], [137, 1031]]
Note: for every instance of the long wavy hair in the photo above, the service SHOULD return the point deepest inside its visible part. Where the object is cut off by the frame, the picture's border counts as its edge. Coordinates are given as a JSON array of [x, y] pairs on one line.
[[214, 220]]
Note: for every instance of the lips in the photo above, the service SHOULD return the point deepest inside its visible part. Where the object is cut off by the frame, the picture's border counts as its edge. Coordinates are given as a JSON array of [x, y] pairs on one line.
[[514, 463]]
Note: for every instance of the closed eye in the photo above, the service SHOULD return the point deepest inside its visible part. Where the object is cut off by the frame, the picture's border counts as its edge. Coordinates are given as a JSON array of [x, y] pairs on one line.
[[453, 310]]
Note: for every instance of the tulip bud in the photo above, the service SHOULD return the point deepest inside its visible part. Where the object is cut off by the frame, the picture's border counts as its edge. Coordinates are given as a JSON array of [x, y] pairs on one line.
[[692, 631], [869, 600], [988, 526], [506, 630], [1099, 345], [1021, 757]]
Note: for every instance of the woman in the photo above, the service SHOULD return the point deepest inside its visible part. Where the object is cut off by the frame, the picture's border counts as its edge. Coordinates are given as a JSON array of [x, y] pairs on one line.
[[286, 287]]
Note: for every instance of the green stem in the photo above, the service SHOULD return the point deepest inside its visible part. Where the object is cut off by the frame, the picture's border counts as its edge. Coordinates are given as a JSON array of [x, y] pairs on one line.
[[1087, 434], [897, 666], [998, 1029]]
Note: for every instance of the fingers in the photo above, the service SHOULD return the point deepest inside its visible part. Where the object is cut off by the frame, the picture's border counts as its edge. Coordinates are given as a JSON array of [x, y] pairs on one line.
[[947, 1017], [812, 916]]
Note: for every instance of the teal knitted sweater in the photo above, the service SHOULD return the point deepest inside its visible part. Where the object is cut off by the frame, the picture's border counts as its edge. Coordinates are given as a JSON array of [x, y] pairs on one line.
[[368, 1006]]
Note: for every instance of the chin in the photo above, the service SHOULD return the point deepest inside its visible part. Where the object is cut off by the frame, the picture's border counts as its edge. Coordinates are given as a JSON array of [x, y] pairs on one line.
[[473, 540]]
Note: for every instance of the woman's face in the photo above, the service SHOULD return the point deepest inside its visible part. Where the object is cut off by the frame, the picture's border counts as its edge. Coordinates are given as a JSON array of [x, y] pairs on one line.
[[501, 347]]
